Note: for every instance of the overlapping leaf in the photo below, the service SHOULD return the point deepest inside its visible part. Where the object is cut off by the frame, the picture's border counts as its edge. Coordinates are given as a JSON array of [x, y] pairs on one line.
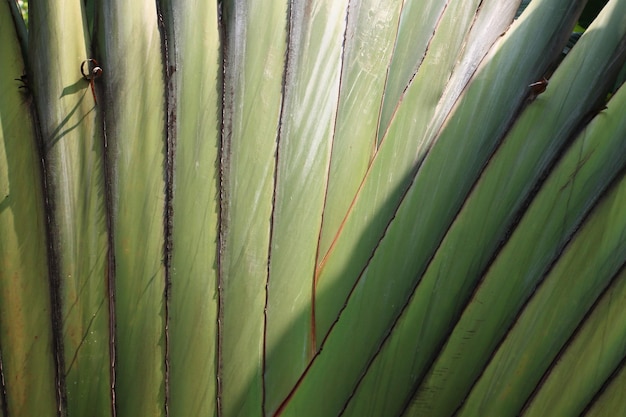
[[312, 208]]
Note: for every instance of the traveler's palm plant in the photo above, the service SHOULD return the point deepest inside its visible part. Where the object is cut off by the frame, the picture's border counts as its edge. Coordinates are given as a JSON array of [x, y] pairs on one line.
[[312, 208]]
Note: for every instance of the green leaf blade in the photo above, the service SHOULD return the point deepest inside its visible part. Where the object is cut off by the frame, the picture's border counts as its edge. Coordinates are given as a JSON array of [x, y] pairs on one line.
[[26, 340], [136, 156], [315, 53], [385, 285], [413, 131], [593, 165], [255, 37], [594, 352], [564, 199], [371, 29], [193, 298], [73, 156], [610, 401], [586, 267]]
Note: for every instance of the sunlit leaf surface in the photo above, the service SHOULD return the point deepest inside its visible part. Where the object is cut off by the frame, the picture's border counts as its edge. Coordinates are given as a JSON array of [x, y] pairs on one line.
[[312, 208]]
